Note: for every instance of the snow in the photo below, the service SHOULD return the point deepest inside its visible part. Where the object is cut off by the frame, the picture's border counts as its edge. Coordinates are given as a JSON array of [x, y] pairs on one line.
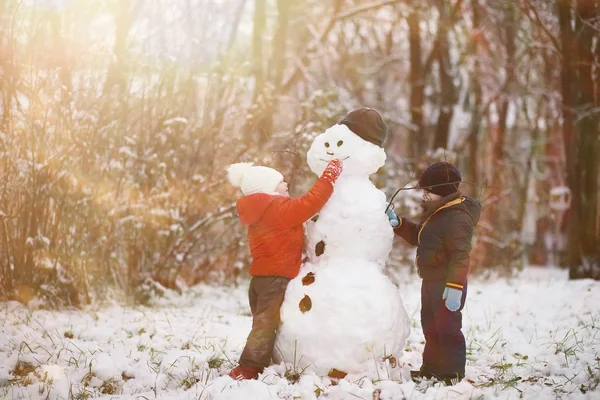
[[116, 165], [176, 120], [560, 198], [126, 150], [560, 191], [534, 336], [529, 228]]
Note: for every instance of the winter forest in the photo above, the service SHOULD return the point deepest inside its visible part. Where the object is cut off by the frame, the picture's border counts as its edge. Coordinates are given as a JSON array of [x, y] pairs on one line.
[[124, 265]]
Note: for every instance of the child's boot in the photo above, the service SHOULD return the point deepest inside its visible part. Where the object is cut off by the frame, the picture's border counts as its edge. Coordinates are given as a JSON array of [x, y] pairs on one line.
[[450, 380], [420, 374], [242, 372]]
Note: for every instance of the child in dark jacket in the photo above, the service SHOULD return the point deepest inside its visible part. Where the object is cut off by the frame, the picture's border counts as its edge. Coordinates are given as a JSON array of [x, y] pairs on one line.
[[443, 239], [275, 236]]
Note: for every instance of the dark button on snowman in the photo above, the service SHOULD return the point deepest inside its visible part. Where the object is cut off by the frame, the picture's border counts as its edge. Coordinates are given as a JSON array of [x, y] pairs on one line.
[[341, 312]]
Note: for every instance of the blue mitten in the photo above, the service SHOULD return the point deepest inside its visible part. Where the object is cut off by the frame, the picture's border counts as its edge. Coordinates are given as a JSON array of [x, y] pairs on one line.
[[392, 217], [452, 297]]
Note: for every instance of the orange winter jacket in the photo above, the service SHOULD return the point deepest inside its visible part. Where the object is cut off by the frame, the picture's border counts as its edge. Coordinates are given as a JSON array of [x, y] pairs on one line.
[[275, 231]]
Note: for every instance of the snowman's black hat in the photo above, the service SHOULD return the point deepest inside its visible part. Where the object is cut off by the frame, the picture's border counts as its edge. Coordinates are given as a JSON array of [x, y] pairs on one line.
[[366, 123]]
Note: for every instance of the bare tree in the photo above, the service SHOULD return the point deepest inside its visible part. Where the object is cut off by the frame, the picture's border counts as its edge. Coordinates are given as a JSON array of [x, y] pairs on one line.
[[578, 31], [476, 95], [417, 84], [447, 96], [116, 75]]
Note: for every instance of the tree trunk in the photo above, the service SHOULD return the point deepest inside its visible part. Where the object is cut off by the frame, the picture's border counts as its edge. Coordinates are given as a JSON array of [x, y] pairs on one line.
[[569, 134], [262, 110], [116, 72], [236, 24], [313, 45], [417, 86], [279, 42], [447, 89], [265, 100], [6, 278], [260, 18], [476, 112], [7, 83], [61, 61], [583, 254], [491, 253]]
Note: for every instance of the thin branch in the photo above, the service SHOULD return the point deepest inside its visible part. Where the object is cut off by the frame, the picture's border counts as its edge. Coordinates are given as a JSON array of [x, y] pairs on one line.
[[538, 21], [367, 7], [311, 47], [210, 217], [337, 16], [437, 41]]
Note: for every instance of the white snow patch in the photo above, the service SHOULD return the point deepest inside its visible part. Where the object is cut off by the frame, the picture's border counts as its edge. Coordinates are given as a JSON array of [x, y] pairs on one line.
[[533, 336], [176, 120]]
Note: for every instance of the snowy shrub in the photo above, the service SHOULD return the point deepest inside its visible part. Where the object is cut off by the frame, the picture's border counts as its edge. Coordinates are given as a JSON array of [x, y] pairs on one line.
[[116, 184]]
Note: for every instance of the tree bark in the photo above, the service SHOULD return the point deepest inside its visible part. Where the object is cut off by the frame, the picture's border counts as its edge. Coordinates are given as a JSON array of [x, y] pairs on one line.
[[570, 136], [260, 18], [262, 111], [476, 112], [583, 254], [235, 25], [498, 143], [5, 259], [116, 72], [447, 89], [417, 86], [491, 253], [61, 55], [7, 83], [279, 42]]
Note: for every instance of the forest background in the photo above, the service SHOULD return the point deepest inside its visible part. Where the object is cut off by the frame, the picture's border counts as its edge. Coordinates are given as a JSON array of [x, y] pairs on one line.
[[119, 117]]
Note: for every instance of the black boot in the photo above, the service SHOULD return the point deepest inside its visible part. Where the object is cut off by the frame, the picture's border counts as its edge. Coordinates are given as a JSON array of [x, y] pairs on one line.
[[419, 375], [448, 380], [451, 380]]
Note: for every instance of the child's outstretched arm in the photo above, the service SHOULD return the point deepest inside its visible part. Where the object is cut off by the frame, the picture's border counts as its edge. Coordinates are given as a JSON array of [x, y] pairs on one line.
[[407, 230], [297, 211]]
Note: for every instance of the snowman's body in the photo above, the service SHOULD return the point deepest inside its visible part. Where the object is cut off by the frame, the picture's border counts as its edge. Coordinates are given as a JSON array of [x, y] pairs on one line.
[[342, 312], [341, 224]]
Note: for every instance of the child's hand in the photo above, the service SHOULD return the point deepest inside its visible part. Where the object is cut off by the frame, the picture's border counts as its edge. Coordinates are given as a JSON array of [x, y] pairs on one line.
[[333, 170], [452, 297], [392, 217]]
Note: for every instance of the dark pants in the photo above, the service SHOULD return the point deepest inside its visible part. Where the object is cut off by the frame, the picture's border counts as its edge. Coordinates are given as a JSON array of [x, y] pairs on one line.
[[445, 350], [265, 294]]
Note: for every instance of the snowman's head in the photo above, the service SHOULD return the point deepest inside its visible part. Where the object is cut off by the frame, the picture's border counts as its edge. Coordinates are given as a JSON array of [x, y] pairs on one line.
[[360, 157]]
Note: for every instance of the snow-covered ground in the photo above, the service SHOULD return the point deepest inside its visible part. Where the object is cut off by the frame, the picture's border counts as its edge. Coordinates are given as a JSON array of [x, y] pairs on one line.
[[534, 336]]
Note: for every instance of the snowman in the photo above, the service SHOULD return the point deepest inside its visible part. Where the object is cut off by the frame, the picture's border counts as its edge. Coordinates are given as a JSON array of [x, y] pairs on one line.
[[341, 312]]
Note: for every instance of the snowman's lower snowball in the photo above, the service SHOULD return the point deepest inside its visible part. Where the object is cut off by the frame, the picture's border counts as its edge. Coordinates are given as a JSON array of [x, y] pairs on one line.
[[356, 317]]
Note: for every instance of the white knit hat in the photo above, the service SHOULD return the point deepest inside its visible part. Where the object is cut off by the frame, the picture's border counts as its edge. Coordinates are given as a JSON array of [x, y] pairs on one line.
[[254, 179]]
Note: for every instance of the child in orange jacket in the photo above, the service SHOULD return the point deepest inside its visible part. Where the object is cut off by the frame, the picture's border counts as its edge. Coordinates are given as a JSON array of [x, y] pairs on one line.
[[275, 236]]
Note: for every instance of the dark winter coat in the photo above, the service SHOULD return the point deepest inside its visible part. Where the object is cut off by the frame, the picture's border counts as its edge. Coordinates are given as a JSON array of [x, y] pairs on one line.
[[443, 239]]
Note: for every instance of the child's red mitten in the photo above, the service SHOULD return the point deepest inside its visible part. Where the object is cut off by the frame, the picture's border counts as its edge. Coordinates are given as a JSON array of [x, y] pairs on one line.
[[333, 170]]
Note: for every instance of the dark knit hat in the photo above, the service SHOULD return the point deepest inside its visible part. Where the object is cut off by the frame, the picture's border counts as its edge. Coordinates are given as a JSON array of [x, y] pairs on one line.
[[444, 174], [366, 123]]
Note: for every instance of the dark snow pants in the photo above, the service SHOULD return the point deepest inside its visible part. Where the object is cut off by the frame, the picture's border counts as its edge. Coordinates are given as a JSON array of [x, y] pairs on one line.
[[445, 349], [265, 294]]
